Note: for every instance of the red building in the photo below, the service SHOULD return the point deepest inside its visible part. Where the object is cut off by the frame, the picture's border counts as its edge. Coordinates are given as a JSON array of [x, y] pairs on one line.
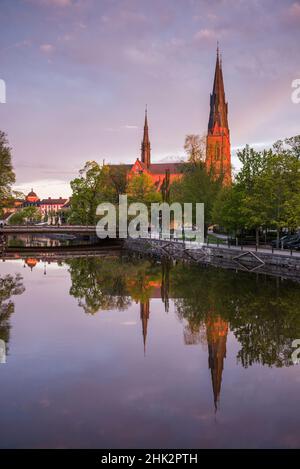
[[52, 205], [45, 205]]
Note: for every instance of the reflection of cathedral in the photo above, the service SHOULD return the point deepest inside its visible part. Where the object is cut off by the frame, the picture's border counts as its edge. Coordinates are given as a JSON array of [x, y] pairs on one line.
[[216, 332]]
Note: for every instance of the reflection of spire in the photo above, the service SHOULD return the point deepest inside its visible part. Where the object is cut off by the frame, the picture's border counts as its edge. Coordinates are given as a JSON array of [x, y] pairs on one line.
[[216, 331], [145, 312], [165, 284]]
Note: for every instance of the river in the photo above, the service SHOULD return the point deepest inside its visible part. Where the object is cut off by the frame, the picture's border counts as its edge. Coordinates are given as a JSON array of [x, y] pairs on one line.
[[123, 352]]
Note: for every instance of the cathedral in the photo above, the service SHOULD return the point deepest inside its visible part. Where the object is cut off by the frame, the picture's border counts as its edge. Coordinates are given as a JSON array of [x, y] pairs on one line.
[[218, 159]]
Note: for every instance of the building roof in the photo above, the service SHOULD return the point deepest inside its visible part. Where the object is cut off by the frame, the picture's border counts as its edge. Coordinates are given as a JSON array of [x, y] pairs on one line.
[[125, 165], [31, 194], [161, 168], [156, 168], [50, 201]]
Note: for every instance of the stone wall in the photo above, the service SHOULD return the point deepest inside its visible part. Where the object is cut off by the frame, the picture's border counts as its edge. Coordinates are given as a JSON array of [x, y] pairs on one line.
[[283, 264]]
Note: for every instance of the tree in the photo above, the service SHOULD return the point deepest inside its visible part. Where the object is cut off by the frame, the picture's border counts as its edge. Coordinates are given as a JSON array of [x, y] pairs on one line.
[[9, 286], [141, 189], [92, 187], [7, 175], [227, 211], [196, 186], [27, 214], [290, 145], [118, 177], [268, 191], [252, 198], [195, 148], [279, 186]]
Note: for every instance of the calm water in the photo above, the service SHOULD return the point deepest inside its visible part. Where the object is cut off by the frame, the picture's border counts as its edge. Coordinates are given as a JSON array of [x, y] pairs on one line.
[[111, 352]]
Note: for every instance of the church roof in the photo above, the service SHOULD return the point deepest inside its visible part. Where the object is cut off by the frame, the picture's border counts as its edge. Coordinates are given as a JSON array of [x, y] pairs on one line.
[[157, 168], [161, 168]]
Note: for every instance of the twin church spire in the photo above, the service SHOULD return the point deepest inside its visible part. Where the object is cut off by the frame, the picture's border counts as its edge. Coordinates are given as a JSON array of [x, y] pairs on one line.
[[218, 157], [146, 148], [218, 106]]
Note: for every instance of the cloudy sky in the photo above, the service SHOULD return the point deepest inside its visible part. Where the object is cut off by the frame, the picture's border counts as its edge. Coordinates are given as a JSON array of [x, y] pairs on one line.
[[79, 73]]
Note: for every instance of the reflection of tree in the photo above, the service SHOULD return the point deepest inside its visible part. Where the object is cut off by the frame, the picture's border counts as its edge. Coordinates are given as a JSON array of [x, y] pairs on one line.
[[111, 283], [142, 278], [9, 286], [263, 315], [98, 283]]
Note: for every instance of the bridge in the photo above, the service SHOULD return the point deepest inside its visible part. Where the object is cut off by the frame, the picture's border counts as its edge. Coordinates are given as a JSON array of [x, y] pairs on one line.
[[48, 229], [59, 253]]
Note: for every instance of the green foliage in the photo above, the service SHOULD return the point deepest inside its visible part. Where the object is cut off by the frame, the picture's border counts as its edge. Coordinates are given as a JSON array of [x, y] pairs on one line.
[[92, 187], [266, 192], [9, 285], [141, 189], [102, 284], [227, 211], [7, 175], [118, 178], [196, 185], [26, 215]]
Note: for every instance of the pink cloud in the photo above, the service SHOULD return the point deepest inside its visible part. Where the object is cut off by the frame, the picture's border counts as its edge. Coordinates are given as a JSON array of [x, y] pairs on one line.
[[295, 9], [54, 3], [58, 3], [205, 34], [47, 48]]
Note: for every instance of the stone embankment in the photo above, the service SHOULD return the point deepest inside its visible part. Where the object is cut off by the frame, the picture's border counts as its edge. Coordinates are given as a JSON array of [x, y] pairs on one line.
[[279, 263]]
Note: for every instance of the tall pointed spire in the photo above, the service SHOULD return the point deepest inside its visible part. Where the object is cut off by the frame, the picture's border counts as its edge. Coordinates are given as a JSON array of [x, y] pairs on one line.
[[146, 149], [218, 158], [218, 105]]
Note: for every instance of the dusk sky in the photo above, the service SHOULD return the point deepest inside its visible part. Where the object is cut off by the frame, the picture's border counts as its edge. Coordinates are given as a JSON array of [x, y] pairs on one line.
[[79, 73]]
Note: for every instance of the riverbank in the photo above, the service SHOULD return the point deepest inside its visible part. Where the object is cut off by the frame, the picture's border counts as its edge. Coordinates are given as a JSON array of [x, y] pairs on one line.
[[277, 263]]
